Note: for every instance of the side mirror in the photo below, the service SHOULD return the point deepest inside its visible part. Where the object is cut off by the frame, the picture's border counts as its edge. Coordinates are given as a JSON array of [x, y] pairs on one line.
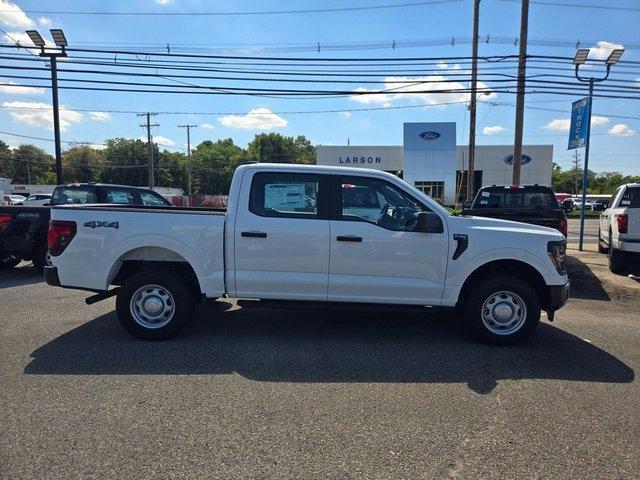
[[429, 222], [467, 205]]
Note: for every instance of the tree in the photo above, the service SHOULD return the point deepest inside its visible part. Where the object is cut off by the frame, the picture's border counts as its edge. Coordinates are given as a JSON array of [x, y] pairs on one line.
[[127, 162], [214, 164], [172, 170], [601, 183], [276, 148], [83, 164], [6, 164], [32, 165]]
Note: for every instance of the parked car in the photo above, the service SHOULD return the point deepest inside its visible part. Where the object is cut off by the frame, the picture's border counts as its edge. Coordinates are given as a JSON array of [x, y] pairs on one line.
[[292, 237], [619, 229], [13, 199], [533, 204], [598, 206], [38, 199], [23, 229]]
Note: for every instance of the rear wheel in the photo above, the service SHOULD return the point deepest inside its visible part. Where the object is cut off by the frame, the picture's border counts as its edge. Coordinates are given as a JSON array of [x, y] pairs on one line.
[[602, 248], [616, 258], [502, 310], [8, 261], [155, 304]]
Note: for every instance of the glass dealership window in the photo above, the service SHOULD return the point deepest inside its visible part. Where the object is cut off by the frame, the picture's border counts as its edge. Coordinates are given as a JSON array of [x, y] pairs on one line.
[[434, 189]]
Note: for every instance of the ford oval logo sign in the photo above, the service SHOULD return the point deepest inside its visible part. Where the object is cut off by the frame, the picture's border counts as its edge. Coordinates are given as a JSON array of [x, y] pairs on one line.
[[429, 135], [524, 159]]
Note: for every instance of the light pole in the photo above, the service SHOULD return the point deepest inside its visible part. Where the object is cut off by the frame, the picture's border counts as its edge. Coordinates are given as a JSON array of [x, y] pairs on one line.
[[60, 41], [580, 59]]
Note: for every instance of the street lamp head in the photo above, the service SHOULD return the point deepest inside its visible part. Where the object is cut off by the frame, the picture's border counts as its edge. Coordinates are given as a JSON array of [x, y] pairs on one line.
[[35, 37], [581, 57], [58, 37], [615, 56]]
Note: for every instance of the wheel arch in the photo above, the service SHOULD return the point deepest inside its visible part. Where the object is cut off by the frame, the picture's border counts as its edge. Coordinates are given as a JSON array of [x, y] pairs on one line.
[[517, 268]]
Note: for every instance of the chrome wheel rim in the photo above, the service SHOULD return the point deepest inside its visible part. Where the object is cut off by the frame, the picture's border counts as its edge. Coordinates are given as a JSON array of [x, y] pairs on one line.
[[152, 306], [504, 313]]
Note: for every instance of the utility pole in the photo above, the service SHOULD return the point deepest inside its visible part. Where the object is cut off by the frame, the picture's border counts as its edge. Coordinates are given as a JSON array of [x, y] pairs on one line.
[[472, 104], [188, 127], [522, 67], [576, 170], [148, 126], [60, 41]]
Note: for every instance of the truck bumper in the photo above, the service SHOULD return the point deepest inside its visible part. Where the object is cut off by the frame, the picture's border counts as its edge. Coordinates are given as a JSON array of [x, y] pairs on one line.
[[558, 296], [51, 276], [628, 245]]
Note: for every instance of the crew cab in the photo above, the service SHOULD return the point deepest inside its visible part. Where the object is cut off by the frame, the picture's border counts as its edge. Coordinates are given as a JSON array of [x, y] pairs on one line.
[[534, 204], [310, 236], [619, 228]]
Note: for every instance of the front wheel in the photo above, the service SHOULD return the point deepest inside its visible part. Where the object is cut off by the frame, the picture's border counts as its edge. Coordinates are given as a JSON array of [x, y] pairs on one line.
[[155, 304], [502, 310]]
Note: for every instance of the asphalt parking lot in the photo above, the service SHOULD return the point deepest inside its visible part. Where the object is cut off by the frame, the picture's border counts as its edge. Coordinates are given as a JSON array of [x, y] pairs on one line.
[[296, 394]]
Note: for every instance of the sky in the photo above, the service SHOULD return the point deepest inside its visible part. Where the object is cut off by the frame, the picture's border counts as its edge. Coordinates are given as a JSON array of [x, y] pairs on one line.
[[553, 30]]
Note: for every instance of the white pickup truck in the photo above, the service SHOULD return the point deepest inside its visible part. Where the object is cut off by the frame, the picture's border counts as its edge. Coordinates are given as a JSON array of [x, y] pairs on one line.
[[619, 230], [310, 236]]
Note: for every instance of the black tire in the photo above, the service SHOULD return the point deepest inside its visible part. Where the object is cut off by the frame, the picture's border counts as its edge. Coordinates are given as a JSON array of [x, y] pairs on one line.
[[616, 259], [491, 286], [39, 259], [9, 261], [601, 246], [180, 296]]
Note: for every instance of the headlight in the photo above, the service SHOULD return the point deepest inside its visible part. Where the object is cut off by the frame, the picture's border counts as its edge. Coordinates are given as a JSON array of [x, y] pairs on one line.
[[557, 251]]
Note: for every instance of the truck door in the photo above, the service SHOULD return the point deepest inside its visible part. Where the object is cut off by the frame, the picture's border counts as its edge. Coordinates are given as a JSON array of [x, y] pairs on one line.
[[377, 256], [282, 238]]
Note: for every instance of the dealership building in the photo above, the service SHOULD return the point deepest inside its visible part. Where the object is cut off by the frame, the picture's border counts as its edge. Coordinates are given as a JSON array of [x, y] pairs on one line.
[[431, 160]]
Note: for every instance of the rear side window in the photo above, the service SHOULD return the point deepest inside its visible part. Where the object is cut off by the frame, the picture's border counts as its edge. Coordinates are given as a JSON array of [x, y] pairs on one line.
[[286, 195], [74, 195], [118, 196], [516, 198], [631, 198], [152, 198]]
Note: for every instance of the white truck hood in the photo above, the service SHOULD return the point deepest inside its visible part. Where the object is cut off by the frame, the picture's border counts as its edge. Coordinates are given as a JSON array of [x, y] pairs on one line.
[[514, 227]]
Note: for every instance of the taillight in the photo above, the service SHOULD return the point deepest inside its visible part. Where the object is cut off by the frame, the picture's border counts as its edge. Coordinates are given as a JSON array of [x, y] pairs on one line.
[[563, 226], [5, 219], [59, 236], [623, 222]]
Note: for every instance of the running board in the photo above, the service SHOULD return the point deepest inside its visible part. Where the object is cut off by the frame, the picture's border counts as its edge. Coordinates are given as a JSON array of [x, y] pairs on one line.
[[102, 296], [317, 305]]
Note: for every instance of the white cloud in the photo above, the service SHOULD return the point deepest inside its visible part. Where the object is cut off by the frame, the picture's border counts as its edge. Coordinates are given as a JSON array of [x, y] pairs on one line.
[[17, 89], [427, 90], [493, 130], [563, 124], [164, 141], [44, 21], [602, 50], [100, 116], [445, 66], [163, 2], [97, 146], [13, 16], [345, 114], [620, 130], [257, 119], [207, 126], [41, 115]]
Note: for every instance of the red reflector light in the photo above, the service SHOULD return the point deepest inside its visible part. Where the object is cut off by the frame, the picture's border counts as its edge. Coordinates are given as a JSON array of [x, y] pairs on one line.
[[564, 226], [623, 222], [60, 235], [5, 218]]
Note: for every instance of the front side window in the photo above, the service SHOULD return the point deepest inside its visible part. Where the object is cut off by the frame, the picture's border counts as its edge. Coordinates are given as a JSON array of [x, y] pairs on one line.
[[152, 198], [379, 202], [288, 195]]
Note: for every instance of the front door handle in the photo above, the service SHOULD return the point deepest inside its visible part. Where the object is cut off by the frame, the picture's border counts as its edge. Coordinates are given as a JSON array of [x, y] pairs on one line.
[[348, 238], [253, 234]]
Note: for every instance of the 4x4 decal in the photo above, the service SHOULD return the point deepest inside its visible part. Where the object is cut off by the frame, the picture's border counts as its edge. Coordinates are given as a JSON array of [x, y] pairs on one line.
[[96, 224]]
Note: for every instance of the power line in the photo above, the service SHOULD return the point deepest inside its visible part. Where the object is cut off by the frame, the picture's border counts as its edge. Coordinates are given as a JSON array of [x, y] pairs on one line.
[[227, 14], [579, 5]]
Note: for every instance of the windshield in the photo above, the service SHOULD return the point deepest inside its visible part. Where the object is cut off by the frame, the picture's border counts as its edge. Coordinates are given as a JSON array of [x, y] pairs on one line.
[[74, 195], [516, 198]]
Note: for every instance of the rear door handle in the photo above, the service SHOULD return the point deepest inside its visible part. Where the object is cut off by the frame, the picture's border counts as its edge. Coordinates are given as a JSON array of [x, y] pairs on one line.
[[253, 234], [348, 238]]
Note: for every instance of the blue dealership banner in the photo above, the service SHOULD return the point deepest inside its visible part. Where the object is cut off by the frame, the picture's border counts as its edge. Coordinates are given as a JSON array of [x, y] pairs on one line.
[[580, 123]]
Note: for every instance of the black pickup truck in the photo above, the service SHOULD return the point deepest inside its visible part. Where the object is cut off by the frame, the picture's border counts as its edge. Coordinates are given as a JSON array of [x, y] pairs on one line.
[[23, 230], [533, 204]]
